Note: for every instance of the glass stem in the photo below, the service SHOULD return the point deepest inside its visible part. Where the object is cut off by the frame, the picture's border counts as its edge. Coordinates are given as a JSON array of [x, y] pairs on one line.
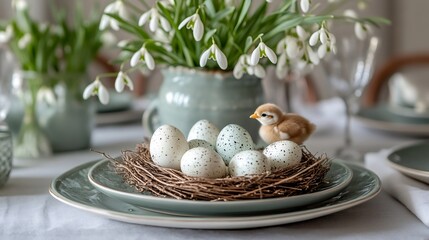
[[347, 137]]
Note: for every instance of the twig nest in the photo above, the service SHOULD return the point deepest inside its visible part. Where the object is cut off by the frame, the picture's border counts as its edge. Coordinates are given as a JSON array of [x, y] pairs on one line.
[[138, 170]]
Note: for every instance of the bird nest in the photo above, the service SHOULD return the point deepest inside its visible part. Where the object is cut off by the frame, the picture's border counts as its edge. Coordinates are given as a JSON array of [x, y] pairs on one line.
[[138, 170]]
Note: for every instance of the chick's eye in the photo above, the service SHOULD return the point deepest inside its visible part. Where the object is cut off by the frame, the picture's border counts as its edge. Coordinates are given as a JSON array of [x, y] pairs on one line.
[[264, 115]]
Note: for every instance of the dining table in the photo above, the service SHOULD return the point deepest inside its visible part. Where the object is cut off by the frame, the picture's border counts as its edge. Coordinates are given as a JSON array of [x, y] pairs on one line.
[[28, 211]]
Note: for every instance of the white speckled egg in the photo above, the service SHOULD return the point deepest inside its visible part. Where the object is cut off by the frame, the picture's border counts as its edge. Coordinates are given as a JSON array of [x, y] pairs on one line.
[[204, 130], [233, 139], [247, 163], [202, 162], [200, 143], [283, 154], [167, 146]]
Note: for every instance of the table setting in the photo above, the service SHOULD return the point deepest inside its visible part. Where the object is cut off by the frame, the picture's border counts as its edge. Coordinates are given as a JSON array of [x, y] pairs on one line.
[[206, 156]]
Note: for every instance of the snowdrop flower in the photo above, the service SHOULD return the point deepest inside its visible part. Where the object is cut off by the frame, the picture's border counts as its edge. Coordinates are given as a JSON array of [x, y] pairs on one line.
[[327, 41], [312, 56], [154, 20], [194, 22], [216, 55], [261, 51], [19, 5], [116, 7], [6, 35], [243, 66], [145, 56], [305, 5], [362, 30], [282, 66], [123, 80], [96, 88], [46, 94], [24, 41]]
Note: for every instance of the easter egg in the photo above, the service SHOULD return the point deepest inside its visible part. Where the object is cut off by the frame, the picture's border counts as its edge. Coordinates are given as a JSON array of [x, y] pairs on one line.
[[202, 162], [167, 146], [200, 143], [247, 163], [283, 154], [204, 130], [233, 139]]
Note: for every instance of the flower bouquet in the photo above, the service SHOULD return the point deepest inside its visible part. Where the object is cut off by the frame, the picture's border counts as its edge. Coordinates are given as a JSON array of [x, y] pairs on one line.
[[53, 60], [238, 36]]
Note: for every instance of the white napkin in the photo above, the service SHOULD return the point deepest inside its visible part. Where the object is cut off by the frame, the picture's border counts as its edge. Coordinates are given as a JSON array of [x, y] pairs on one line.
[[411, 193]]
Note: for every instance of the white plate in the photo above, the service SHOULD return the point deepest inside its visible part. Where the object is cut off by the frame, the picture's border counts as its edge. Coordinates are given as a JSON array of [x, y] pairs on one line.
[[74, 189]]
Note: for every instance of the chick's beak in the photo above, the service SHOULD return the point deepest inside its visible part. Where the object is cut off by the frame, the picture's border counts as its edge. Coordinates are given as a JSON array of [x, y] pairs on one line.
[[254, 116]]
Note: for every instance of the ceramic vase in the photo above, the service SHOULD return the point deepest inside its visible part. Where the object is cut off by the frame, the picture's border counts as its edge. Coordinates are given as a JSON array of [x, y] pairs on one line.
[[48, 114], [187, 96]]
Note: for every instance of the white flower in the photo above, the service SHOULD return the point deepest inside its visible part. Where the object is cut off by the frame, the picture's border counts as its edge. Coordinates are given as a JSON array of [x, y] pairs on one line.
[[46, 95], [216, 55], [24, 41], [282, 67], [194, 22], [145, 56], [116, 7], [243, 66], [319, 35], [6, 35], [305, 5], [154, 20], [96, 88], [123, 80], [261, 51], [108, 39], [362, 30], [312, 56], [19, 5]]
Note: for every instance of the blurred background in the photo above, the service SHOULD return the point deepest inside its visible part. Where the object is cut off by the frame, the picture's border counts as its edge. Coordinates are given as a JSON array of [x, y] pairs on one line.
[[406, 35]]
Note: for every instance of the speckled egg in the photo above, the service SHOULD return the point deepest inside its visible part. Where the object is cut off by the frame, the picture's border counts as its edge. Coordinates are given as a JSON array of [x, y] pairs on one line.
[[167, 146], [283, 154], [247, 163], [200, 143], [233, 139], [204, 130], [202, 162]]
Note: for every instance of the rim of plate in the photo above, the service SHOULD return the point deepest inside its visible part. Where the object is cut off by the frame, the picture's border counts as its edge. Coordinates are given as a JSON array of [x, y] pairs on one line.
[[96, 184], [217, 222], [402, 168]]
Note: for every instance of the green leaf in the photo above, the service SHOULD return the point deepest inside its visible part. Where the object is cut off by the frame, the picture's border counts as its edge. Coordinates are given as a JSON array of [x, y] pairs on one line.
[[249, 42], [222, 14], [244, 10], [208, 35]]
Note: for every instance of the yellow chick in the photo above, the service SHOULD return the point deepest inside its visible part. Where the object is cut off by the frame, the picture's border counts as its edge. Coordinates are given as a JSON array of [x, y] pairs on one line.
[[277, 125]]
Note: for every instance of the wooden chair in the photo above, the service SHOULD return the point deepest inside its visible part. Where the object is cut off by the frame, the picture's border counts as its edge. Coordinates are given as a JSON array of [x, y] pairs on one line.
[[385, 72]]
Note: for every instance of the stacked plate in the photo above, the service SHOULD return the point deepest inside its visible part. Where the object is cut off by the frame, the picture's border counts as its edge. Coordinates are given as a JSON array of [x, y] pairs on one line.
[[97, 188], [412, 161]]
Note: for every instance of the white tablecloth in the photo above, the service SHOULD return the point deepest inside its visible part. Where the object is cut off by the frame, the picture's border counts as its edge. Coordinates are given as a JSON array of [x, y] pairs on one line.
[[27, 211]]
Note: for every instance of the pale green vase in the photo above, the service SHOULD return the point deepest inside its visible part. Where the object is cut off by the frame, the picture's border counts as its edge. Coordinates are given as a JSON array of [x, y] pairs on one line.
[[54, 119], [187, 96]]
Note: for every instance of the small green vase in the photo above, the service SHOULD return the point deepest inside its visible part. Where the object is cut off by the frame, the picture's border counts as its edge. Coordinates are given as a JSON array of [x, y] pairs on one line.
[[187, 96]]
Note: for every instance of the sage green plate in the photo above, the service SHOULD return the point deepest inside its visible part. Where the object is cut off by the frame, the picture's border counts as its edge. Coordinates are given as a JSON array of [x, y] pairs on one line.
[[412, 160], [73, 188], [104, 178], [381, 118]]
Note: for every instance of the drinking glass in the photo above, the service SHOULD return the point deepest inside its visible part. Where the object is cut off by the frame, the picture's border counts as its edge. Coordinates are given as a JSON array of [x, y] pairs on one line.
[[5, 85], [349, 71], [5, 155]]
